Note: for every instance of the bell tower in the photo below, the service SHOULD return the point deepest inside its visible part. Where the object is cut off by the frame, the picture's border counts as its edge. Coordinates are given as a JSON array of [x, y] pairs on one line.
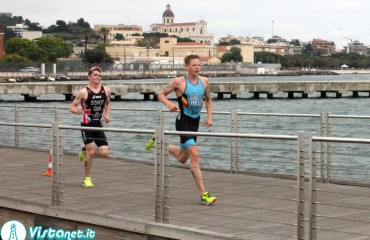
[[168, 16]]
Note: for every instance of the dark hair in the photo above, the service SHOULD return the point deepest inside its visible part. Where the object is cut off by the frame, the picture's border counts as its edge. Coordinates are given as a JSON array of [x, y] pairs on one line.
[[189, 58], [95, 68]]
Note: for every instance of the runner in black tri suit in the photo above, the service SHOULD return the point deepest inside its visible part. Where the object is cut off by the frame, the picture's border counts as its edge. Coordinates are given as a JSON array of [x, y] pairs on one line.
[[95, 102], [93, 109], [190, 90]]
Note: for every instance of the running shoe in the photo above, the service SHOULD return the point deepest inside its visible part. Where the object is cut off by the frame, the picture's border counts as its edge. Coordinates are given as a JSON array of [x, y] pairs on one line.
[[150, 144], [82, 154], [87, 183], [207, 199]]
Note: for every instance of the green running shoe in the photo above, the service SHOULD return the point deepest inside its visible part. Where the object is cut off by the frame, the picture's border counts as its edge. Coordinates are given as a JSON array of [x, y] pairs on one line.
[[87, 183], [82, 154], [207, 199], [150, 144]]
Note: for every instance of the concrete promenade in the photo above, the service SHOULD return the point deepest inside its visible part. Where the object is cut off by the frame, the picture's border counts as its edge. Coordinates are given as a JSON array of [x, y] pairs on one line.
[[33, 90], [121, 206]]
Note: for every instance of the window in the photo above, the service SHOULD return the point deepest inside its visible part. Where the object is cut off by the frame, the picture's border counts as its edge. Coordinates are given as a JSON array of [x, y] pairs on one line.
[[166, 41]]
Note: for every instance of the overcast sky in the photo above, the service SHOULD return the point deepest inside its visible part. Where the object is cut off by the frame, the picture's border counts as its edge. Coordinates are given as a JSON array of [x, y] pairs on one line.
[[304, 19]]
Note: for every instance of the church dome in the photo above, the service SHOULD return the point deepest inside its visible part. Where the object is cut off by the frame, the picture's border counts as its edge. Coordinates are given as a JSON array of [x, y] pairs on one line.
[[168, 12]]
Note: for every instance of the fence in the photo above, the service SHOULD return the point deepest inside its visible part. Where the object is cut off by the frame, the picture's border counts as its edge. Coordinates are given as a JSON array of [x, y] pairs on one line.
[[334, 203]]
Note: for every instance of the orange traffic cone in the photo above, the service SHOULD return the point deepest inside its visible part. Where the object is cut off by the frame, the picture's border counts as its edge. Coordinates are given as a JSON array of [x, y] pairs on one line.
[[49, 172]]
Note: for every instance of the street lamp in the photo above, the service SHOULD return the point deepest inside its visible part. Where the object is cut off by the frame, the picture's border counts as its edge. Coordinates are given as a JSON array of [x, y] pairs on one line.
[[272, 29], [74, 45]]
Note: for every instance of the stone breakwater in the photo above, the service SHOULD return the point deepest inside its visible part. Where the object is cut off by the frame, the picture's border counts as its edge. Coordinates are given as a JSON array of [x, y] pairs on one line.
[[146, 75]]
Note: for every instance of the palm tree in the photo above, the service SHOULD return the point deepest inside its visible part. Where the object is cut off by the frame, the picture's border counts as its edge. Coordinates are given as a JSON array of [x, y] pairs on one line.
[[104, 31], [87, 33]]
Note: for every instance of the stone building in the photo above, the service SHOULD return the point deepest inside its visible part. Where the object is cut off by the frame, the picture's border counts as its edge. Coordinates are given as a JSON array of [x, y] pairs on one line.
[[323, 47], [196, 31], [126, 30]]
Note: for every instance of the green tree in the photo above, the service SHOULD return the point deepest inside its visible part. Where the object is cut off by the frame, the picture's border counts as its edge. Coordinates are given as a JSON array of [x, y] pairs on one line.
[[307, 49], [87, 33], [119, 37], [14, 58], [22, 47], [8, 34], [234, 42], [52, 45], [96, 55], [81, 22], [61, 26], [223, 43], [233, 55]]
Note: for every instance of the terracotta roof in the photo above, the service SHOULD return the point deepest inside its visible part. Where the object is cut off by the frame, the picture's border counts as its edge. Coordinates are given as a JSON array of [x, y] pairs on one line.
[[204, 58], [221, 48]]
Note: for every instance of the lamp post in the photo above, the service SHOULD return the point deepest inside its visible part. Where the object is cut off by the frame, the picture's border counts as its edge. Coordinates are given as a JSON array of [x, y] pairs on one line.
[[272, 29], [74, 45]]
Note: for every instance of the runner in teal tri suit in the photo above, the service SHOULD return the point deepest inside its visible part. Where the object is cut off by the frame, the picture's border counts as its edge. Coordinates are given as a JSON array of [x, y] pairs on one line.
[[190, 103], [190, 91]]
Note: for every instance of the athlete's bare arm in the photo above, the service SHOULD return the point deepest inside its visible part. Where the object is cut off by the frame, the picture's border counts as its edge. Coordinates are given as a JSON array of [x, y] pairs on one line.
[[162, 96], [80, 97], [208, 103], [107, 105]]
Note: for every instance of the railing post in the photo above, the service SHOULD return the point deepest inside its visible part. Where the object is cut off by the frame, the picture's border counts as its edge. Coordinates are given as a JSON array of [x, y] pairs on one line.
[[234, 151], [328, 148], [161, 176], [300, 185], [160, 117], [56, 113], [16, 129], [57, 192], [312, 189], [165, 179], [323, 130]]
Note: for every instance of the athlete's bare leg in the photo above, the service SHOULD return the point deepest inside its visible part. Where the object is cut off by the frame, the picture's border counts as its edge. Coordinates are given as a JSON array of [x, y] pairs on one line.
[[195, 168], [91, 152], [182, 156]]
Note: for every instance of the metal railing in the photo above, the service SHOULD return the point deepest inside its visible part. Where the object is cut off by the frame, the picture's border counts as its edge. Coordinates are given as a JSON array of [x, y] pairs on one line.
[[299, 160]]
